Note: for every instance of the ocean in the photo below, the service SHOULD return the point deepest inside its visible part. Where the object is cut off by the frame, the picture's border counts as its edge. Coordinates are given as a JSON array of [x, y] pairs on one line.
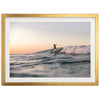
[[47, 64]]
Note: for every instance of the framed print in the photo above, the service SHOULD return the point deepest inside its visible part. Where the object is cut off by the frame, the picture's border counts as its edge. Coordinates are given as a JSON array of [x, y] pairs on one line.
[[50, 49]]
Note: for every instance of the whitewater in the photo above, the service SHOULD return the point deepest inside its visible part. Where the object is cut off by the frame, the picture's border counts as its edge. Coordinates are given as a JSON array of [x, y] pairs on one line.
[[71, 61]]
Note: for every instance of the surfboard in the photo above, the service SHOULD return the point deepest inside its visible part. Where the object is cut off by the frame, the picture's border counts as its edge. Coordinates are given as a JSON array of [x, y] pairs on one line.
[[57, 50]]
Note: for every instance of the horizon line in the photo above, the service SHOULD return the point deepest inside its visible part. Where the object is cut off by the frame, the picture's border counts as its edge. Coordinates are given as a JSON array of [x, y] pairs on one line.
[[46, 49]]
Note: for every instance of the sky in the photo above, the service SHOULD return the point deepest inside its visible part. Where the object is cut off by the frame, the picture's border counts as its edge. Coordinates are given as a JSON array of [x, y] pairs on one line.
[[30, 37]]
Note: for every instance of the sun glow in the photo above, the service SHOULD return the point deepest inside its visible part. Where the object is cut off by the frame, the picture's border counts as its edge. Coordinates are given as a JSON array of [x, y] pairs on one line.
[[33, 37]]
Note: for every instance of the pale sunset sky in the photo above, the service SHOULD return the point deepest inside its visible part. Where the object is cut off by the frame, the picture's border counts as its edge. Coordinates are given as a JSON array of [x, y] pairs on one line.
[[30, 37]]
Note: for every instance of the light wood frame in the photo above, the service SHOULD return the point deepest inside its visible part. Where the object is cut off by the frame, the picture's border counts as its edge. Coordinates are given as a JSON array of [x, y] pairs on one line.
[[51, 83]]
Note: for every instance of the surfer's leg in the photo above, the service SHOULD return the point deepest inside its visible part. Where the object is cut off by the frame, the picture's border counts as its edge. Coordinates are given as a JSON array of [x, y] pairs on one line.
[[55, 53]]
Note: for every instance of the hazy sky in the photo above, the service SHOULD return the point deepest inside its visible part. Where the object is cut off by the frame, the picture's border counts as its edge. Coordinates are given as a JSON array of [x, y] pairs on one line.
[[28, 37]]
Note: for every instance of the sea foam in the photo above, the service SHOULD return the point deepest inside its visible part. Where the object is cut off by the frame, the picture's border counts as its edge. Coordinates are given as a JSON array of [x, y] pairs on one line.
[[83, 49]]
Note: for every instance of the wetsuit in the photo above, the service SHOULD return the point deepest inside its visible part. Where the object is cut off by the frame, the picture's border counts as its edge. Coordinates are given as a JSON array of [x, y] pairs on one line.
[[54, 46]]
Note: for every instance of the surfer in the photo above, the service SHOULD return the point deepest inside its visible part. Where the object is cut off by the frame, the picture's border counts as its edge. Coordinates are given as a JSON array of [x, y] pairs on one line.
[[54, 46], [56, 50]]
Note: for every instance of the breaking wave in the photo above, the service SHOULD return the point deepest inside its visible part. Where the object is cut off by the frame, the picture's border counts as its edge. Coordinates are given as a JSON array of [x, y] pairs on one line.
[[76, 49]]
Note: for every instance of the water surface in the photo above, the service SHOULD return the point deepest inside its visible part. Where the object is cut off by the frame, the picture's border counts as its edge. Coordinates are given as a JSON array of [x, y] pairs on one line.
[[46, 64]]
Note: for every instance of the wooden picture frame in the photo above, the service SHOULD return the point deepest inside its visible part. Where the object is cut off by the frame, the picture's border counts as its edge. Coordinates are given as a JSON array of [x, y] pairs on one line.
[[92, 18]]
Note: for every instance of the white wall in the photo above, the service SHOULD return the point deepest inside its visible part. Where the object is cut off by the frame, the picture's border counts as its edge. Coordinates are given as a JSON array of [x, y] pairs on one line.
[[49, 92]]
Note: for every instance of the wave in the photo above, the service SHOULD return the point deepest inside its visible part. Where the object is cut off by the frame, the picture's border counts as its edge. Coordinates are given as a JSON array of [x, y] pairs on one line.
[[83, 49]]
